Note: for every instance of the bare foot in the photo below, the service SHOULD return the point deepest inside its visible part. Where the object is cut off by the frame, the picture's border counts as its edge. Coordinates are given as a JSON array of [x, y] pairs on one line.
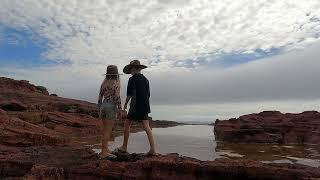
[[105, 153], [151, 153], [122, 149], [108, 157]]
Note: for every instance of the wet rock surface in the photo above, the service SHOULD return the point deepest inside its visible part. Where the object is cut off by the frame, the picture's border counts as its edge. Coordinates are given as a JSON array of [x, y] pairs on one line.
[[70, 163], [271, 127]]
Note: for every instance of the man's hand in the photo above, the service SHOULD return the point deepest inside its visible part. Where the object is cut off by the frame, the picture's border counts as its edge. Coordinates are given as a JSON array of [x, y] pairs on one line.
[[126, 103], [122, 114]]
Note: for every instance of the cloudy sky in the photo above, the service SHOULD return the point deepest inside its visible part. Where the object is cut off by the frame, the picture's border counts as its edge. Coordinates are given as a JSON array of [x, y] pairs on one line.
[[207, 59]]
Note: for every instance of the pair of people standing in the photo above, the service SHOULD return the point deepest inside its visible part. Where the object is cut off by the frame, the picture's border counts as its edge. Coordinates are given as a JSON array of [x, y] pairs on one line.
[[109, 104]]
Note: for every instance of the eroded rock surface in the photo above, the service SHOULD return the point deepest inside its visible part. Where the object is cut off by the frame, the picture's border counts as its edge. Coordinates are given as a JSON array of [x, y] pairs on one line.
[[271, 127], [85, 165]]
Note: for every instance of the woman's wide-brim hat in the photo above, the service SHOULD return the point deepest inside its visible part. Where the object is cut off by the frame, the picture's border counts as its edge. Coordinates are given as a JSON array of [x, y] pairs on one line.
[[112, 70], [133, 64]]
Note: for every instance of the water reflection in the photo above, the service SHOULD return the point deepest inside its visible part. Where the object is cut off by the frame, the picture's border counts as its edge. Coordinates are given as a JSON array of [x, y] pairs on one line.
[[192, 141], [307, 155], [198, 141]]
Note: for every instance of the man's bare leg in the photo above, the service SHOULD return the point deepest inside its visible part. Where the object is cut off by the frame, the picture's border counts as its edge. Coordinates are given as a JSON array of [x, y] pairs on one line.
[[148, 131], [126, 134]]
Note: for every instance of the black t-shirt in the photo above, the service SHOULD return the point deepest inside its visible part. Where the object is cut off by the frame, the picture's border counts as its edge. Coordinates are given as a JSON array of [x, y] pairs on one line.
[[138, 88]]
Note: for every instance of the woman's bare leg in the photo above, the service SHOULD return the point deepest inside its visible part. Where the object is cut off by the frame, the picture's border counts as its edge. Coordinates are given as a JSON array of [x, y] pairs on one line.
[[126, 134], [107, 128], [148, 130]]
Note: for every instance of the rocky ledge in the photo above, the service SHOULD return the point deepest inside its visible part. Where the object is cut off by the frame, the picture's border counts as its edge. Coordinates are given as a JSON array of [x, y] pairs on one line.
[[32, 117], [270, 127], [72, 163]]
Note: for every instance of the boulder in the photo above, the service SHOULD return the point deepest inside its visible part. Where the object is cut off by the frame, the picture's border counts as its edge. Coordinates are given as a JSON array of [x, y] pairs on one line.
[[42, 90], [270, 127], [7, 84]]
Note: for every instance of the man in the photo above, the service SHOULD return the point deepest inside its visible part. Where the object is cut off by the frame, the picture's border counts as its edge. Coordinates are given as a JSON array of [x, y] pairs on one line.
[[138, 92]]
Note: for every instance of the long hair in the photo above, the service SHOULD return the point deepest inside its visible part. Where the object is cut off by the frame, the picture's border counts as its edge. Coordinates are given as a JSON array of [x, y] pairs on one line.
[[112, 81], [112, 76]]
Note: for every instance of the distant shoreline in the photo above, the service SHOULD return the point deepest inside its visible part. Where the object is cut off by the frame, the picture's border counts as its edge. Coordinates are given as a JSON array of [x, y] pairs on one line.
[[197, 123]]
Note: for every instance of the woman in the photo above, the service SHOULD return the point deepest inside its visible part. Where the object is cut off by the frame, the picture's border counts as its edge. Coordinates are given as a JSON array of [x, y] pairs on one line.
[[109, 105]]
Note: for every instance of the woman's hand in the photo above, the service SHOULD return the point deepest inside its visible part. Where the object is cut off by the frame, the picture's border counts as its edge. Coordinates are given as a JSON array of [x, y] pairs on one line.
[[122, 113], [119, 113]]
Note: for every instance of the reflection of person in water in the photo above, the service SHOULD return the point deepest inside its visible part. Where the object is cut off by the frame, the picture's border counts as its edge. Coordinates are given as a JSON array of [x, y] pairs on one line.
[[138, 92]]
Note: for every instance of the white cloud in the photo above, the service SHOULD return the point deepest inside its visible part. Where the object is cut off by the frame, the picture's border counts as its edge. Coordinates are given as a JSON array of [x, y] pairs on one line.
[[290, 76], [209, 112], [93, 33], [162, 32], [287, 82]]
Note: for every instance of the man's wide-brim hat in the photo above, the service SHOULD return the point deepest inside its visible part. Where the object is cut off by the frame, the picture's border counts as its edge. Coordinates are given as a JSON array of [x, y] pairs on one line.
[[133, 64], [112, 70]]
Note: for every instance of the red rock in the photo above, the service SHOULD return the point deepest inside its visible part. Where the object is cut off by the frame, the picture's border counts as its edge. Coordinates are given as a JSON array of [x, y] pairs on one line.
[[140, 167], [36, 98], [16, 132], [2, 112], [13, 105], [270, 127], [21, 86]]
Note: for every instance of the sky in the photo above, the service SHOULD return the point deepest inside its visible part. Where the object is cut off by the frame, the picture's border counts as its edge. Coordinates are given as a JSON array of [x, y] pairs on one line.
[[206, 59]]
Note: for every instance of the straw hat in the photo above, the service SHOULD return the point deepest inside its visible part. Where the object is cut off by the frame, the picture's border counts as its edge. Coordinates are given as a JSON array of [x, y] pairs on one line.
[[112, 70], [133, 64]]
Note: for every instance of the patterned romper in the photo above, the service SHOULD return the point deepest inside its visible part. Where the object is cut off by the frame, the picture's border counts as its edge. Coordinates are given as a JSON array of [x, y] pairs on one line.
[[111, 100]]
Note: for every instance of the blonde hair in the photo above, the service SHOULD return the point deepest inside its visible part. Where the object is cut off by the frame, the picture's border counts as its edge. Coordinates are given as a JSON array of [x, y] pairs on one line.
[[112, 82]]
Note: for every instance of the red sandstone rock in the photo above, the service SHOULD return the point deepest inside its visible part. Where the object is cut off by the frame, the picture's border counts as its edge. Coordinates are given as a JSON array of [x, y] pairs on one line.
[[271, 127], [15, 132], [35, 98], [13, 105], [162, 167], [2, 112], [21, 86]]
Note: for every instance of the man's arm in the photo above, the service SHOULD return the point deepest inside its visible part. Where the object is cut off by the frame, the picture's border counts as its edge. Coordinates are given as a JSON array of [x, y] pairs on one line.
[[126, 103], [130, 89], [148, 89]]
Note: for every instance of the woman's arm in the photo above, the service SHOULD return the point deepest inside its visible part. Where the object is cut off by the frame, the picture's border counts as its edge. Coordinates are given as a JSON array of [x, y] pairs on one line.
[[100, 96], [118, 98]]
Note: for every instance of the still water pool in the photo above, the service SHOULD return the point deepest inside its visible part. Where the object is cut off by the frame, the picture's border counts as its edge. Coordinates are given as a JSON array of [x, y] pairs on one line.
[[198, 141]]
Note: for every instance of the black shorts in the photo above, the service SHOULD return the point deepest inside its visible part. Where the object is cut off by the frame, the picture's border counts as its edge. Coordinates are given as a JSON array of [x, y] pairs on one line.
[[138, 117]]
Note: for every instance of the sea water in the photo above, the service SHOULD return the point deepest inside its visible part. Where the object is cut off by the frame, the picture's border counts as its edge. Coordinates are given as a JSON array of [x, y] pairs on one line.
[[197, 141]]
